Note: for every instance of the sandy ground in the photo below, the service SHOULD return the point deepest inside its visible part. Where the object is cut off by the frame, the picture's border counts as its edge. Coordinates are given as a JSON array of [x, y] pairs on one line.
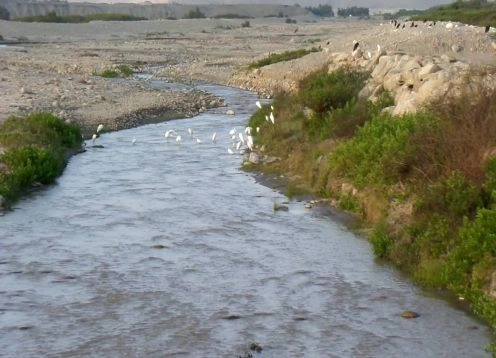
[[53, 67]]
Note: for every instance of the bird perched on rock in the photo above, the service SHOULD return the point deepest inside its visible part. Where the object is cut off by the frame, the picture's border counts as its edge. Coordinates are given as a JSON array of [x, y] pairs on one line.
[[356, 44]]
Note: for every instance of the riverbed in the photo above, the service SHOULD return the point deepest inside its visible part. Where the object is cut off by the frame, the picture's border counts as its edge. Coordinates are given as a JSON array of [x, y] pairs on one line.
[[165, 248]]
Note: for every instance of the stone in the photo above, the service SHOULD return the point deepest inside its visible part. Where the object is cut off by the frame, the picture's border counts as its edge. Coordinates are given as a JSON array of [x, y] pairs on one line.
[[230, 112], [254, 158], [428, 69], [456, 48], [409, 314]]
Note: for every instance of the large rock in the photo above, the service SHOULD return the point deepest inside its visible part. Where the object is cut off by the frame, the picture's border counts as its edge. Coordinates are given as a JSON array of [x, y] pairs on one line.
[[254, 158]]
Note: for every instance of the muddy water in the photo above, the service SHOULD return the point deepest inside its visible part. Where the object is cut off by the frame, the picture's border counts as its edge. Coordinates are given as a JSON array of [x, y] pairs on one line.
[[163, 249]]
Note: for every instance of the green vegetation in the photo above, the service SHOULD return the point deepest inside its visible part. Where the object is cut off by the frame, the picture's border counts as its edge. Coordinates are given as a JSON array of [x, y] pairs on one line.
[[354, 11], [434, 170], [36, 149], [401, 13], [195, 14], [280, 57], [474, 12], [119, 71], [245, 23], [321, 10], [4, 13], [232, 16], [290, 21], [53, 17]]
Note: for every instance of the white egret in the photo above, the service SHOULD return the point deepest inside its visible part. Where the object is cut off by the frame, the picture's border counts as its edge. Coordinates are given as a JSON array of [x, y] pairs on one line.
[[94, 137], [267, 118], [198, 141], [272, 119], [241, 138], [133, 142], [272, 107], [170, 133], [100, 127], [178, 139], [214, 137], [233, 131], [249, 142], [230, 151], [238, 145], [190, 132], [258, 104], [248, 130], [258, 129]]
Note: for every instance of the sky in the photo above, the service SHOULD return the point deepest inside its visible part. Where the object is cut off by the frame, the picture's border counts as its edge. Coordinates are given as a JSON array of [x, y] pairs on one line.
[[406, 4]]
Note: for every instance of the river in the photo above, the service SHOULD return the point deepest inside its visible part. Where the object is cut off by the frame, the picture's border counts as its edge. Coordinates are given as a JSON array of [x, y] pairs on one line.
[[163, 249]]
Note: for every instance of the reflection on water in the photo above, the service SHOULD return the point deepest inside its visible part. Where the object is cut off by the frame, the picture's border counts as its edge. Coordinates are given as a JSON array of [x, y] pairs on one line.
[[162, 249]]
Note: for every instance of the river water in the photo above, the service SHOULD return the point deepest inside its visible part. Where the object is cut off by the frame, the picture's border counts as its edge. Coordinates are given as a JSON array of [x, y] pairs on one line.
[[162, 249]]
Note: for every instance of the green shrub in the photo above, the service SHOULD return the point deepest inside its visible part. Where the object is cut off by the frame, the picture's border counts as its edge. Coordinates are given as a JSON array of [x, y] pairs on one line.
[[125, 70], [37, 148], [119, 71], [195, 14], [285, 56], [378, 154], [323, 91], [245, 23], [476, 247], [382, 243], [108, 73], [479, 13], [454, 196]]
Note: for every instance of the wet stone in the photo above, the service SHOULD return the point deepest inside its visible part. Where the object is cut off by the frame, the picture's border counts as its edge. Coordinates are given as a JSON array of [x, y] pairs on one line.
[[409, 314]]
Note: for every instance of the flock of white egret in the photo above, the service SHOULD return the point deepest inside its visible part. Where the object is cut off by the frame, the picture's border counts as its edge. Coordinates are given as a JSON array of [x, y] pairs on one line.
[[240, 142]]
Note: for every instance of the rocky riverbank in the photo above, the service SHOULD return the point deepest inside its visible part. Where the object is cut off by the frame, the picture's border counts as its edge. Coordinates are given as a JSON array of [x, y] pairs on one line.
[[56, 67]]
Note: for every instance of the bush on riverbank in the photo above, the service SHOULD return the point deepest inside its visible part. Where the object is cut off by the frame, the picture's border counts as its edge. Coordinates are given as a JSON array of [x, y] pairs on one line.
[[474, 12], [35, 150], [280, 57], [119, 71], [426, 181]]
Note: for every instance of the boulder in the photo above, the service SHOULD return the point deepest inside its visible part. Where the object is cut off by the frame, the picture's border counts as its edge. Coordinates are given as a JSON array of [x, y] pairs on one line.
[[428, 69], [230, 112], [254, 158]]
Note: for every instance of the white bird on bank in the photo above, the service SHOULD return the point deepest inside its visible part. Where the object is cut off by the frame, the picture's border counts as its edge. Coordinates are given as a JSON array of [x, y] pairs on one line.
[[100, 127], [258, 104], [272, 119], [267, 118], [249, 142], [258, 129]]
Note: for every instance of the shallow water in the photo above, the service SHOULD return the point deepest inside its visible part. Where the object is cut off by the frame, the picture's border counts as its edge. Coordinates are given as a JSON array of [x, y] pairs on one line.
[[81, 273]]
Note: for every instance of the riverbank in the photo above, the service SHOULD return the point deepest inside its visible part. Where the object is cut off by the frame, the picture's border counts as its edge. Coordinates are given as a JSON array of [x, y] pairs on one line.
[[407, 144], [55, 67]]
